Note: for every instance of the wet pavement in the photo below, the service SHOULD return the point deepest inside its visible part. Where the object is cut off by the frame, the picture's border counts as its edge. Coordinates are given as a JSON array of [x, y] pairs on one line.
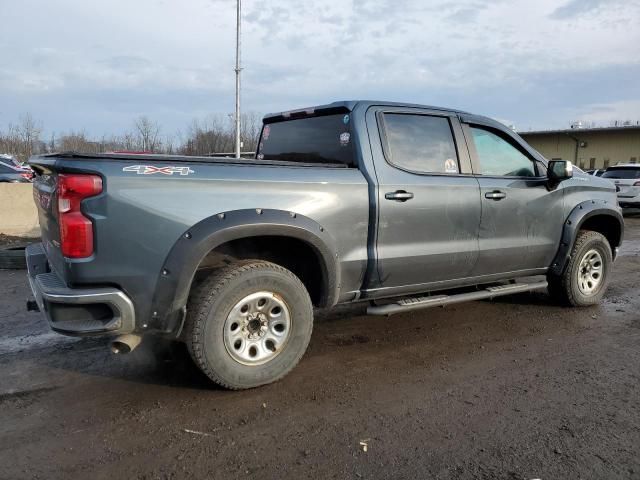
[[516, 388]]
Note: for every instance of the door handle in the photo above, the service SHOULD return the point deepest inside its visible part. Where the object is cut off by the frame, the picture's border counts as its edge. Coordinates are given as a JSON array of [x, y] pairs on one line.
[[399, 196], [495, 195]]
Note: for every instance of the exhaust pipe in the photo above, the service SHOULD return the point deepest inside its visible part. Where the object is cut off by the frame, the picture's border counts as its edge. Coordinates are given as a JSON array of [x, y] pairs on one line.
[[125, 343]]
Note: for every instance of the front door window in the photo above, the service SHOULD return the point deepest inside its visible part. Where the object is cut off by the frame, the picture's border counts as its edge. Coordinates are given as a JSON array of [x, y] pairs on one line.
[[497, 157]]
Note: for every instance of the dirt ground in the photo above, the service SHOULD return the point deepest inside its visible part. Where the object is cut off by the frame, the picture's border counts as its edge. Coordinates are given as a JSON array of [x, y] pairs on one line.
[[514, 389], [8, 241]]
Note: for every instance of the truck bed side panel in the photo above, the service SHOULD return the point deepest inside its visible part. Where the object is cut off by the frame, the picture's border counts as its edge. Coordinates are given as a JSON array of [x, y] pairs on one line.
[[140, 217]]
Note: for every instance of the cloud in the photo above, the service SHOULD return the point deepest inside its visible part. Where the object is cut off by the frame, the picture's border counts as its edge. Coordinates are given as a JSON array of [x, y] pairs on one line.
[[575, 8], [96, 66]]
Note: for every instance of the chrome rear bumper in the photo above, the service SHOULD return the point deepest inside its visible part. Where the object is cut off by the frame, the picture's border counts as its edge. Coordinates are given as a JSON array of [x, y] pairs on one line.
[[77, 311]]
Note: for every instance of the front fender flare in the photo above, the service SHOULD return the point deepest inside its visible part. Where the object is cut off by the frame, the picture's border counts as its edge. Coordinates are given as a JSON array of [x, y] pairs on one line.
[[580, 214], [176, 276]]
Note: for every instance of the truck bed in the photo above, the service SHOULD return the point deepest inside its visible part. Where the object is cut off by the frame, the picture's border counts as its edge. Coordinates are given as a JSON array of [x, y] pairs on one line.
[[152, 157]]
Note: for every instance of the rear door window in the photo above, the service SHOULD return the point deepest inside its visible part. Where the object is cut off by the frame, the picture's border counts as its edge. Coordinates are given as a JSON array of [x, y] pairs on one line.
[[420, 143], [322, 139]]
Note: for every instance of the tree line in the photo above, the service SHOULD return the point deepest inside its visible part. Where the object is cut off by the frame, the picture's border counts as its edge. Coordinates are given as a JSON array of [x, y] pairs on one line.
[[211, 135]]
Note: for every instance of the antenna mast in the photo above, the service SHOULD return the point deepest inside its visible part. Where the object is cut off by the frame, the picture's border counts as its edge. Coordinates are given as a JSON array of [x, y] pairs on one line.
[[238, 69]]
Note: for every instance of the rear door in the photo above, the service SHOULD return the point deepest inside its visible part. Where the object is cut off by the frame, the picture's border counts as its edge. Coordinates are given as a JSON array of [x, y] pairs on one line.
[[428, 200], [521, 218]]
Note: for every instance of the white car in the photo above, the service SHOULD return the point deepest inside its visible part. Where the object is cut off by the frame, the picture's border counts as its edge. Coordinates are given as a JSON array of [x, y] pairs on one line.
[[627, 179]]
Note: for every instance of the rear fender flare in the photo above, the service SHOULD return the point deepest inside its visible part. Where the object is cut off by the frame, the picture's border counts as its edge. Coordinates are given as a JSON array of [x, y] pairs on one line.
[[572, 225], [180, 266]]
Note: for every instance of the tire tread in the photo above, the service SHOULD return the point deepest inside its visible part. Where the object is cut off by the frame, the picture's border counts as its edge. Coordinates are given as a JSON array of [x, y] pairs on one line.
[[560, 285], [199, 305]]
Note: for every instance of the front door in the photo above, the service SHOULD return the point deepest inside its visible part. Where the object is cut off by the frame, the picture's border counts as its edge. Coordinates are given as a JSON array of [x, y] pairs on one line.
[[521, 220], [428, 201]]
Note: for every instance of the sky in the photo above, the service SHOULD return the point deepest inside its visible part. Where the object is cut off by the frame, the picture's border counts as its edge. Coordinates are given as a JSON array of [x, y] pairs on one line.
[[97, 65]]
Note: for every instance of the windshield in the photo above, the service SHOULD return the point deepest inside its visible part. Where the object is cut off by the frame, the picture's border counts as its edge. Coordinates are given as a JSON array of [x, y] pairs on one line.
[[322, 139], [628, 172]]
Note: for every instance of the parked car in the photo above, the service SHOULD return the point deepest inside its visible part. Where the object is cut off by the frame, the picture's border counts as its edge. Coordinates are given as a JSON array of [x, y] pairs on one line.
[[400, 206], [597, 172], [10, 159], [627, 179], [12, 174]]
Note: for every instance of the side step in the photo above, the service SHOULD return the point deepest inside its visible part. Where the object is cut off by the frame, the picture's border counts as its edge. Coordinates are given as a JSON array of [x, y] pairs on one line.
[[417, 303]]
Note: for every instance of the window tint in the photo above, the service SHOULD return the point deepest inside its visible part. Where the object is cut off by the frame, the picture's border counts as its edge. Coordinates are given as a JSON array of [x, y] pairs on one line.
[[622, 173], [421, 143], [308, 140], [499, 157], [6, 169]]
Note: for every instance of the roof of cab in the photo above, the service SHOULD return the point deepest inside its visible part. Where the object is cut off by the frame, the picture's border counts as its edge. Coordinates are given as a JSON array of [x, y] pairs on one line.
[[349, 105]]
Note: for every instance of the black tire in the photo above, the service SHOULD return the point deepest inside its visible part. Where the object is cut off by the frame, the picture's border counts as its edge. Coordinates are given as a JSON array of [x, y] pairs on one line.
[[213, 300], [565, 288], [12, 259]]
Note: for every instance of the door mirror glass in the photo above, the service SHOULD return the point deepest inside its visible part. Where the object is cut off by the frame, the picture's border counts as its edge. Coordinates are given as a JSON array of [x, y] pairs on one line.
[[559, 170]]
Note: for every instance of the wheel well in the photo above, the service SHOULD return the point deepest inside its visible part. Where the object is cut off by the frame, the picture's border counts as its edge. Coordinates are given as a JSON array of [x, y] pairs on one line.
[[294, 254], [607, 226]]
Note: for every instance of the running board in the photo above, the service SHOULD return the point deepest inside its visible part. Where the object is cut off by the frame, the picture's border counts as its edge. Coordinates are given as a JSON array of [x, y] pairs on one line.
[[417, 303]]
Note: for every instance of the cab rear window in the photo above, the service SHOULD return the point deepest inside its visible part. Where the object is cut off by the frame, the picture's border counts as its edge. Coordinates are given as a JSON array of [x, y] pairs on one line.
[[320, 139], [631, 172]]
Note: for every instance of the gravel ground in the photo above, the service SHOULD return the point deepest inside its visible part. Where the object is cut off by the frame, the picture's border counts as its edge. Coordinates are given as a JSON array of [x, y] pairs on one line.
[[514, 389]]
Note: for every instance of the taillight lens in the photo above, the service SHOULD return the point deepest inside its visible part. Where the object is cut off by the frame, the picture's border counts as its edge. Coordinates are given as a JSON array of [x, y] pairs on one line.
[[76, 230]]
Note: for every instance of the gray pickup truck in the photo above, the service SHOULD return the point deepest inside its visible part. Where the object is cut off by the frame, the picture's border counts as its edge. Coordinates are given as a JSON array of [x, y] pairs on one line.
[[400, 206]]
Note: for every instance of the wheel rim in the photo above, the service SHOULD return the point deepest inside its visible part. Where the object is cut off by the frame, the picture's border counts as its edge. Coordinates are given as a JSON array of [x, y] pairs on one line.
[[257, 328], [590, 272]]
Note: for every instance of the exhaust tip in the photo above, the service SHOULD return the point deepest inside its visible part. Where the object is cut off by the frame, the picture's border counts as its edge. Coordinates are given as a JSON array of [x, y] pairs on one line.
[[125, 344]]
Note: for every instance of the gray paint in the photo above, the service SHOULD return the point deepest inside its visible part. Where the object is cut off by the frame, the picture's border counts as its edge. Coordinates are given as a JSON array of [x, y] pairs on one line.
[[448, 235]]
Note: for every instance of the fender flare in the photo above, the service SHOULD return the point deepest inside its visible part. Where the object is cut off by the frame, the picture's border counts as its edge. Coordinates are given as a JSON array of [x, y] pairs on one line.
[[180, 266], [578, 216]]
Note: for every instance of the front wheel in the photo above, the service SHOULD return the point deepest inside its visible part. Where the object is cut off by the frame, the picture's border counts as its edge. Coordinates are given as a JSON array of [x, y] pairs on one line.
[[248, 324], [586, 276]]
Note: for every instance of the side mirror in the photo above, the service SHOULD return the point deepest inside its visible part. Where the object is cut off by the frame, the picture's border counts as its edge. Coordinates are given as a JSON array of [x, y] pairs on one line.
[[559, 170]]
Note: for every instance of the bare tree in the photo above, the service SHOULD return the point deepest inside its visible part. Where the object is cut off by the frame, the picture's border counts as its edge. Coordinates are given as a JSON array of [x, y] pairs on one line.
[[22, 140], [148, 134], [29, 131], [251, 126], [206, 136]]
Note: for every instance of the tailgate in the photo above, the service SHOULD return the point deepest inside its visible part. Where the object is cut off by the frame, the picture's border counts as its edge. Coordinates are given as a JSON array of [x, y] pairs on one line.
[[627, 188], [45, 197]]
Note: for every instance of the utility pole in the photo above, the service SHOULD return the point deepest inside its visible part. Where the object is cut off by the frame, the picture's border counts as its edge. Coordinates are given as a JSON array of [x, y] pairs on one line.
[[238, 69]]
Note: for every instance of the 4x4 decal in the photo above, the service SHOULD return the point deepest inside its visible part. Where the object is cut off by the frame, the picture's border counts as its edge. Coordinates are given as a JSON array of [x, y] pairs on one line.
[[150, 170]]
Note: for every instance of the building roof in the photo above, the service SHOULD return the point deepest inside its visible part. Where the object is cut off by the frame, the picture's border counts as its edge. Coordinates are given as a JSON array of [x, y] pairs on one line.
[[622, 128]]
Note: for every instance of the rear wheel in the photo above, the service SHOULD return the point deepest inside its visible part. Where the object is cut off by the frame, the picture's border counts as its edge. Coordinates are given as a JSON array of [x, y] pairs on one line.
[[248, 324], [586, 276]]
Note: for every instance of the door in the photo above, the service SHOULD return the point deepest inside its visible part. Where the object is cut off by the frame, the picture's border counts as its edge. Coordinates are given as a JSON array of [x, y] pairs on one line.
[[521, 221], [428, 201]]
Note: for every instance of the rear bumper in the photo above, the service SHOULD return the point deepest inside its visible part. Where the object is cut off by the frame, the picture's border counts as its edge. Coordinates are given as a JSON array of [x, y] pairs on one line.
[[628, 201], [77, 311]]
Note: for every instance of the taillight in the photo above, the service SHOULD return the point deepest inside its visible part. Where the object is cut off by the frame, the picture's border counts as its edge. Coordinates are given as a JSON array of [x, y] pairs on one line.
[[26, 175], [76, 230]]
